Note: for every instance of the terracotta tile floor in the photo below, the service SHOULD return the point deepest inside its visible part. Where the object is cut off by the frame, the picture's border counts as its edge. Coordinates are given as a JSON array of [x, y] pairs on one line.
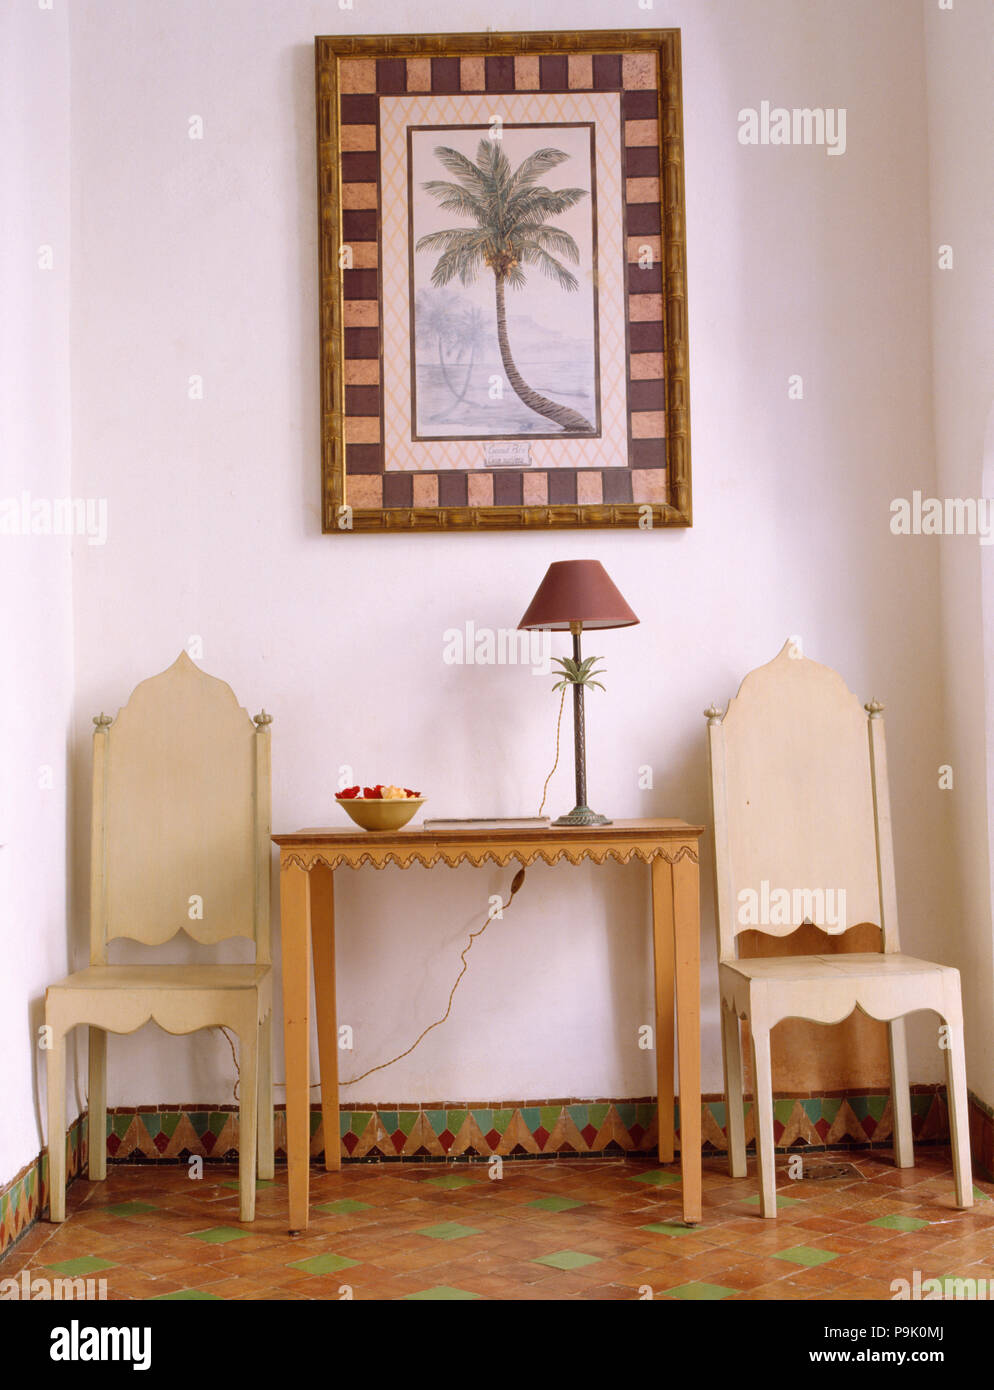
[[586, 1229]]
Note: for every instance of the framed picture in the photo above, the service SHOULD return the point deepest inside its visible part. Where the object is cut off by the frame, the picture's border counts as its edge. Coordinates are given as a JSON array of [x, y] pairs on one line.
[[503, 294]]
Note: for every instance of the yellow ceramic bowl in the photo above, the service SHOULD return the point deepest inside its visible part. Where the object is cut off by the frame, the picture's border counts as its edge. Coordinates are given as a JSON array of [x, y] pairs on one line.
[[376, 814]]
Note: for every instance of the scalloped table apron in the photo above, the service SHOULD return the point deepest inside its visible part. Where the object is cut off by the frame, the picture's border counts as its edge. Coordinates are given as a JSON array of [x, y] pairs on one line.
[[308, 860]]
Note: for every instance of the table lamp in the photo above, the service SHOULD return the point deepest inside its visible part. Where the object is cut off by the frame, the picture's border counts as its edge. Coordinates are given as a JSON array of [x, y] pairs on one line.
[[577, 594]]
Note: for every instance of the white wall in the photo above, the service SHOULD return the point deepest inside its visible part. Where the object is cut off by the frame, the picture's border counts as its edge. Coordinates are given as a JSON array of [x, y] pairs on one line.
[[200, 258], [960, 49], [35, 602]]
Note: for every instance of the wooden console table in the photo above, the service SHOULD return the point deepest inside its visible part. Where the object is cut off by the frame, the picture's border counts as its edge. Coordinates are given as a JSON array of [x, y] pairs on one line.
[[308, 860]]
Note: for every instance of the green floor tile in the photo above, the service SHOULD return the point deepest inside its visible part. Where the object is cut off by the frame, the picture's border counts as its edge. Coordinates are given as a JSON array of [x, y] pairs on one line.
[[554, 1204], [669, 1228], [899, 1223], [83, 1264], [187, 1296], [958, 1287], [805, 1255], [345, 1206], [447, 1230], [981, 1196], [449, 1184], [259, 1182], [218, 1235], [130, 1208], [567, 1259], [442, 1293], [658, 1178], [781, 1201], [699, 1292], [323, 1264]]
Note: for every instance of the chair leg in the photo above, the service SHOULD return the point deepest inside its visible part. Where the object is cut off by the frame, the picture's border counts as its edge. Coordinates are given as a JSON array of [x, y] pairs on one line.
[[731, 1046], [267, 1161], [57, 1128], [248, 1115], [763, 1085], [956, 1097], [900, 1094], [97, 1160]]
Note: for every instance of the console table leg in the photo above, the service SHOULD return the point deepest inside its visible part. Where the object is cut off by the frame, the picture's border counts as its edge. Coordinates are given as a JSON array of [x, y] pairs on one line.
[[323, 939], [687, 932], [662, 949], [296, 931]]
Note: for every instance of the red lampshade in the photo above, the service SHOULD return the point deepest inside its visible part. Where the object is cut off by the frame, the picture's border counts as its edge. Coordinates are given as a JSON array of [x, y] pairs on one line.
[[577, 591]]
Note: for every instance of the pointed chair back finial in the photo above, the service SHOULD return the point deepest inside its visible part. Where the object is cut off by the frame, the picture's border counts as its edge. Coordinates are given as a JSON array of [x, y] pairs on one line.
[[800, 806], [181, 816]]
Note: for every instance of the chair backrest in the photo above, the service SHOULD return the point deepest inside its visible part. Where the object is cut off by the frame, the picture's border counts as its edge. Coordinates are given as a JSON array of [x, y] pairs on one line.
[[181, 816], [800, 806]]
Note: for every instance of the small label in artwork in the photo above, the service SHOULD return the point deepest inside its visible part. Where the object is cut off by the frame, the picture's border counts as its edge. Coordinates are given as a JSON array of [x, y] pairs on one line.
[[507, 453]]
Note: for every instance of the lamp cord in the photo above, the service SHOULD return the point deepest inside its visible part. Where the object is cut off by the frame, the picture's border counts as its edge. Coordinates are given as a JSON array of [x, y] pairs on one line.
[[498, 911], [559, 723]]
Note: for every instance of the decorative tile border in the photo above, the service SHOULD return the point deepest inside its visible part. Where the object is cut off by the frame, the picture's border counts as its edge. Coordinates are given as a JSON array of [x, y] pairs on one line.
[[520, 1129], [25, 1197]]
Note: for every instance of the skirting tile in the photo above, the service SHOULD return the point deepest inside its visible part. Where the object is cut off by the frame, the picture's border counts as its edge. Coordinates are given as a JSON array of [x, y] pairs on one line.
[[25, 1197], [520, 1129]]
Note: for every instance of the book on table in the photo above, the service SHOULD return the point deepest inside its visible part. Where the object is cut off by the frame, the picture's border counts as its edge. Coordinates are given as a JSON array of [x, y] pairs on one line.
[[489, 823]]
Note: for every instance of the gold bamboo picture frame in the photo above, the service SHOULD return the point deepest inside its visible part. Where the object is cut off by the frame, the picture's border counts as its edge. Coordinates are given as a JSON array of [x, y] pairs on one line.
[[503, 305]]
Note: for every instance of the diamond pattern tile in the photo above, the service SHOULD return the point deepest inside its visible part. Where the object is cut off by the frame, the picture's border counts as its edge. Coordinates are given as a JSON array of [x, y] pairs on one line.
[[187, 1296], [698, 1292], [447, 1230], [82, 1265], [806, 1255], [343, 1207], [442, 1293], [567, 1259], [899, 1223], [323, 1264], [219, 1235]]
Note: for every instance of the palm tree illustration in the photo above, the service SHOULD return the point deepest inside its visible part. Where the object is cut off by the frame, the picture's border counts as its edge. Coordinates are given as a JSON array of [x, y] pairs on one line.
[[511, 210], [455, 334]]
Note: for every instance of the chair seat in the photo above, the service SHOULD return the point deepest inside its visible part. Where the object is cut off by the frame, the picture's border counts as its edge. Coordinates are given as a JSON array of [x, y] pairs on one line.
[[855, 966], [166, 977]]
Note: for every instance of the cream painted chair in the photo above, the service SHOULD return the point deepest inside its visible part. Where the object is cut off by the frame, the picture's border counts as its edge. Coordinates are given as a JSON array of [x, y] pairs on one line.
[[800, 803], [180, 841]]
